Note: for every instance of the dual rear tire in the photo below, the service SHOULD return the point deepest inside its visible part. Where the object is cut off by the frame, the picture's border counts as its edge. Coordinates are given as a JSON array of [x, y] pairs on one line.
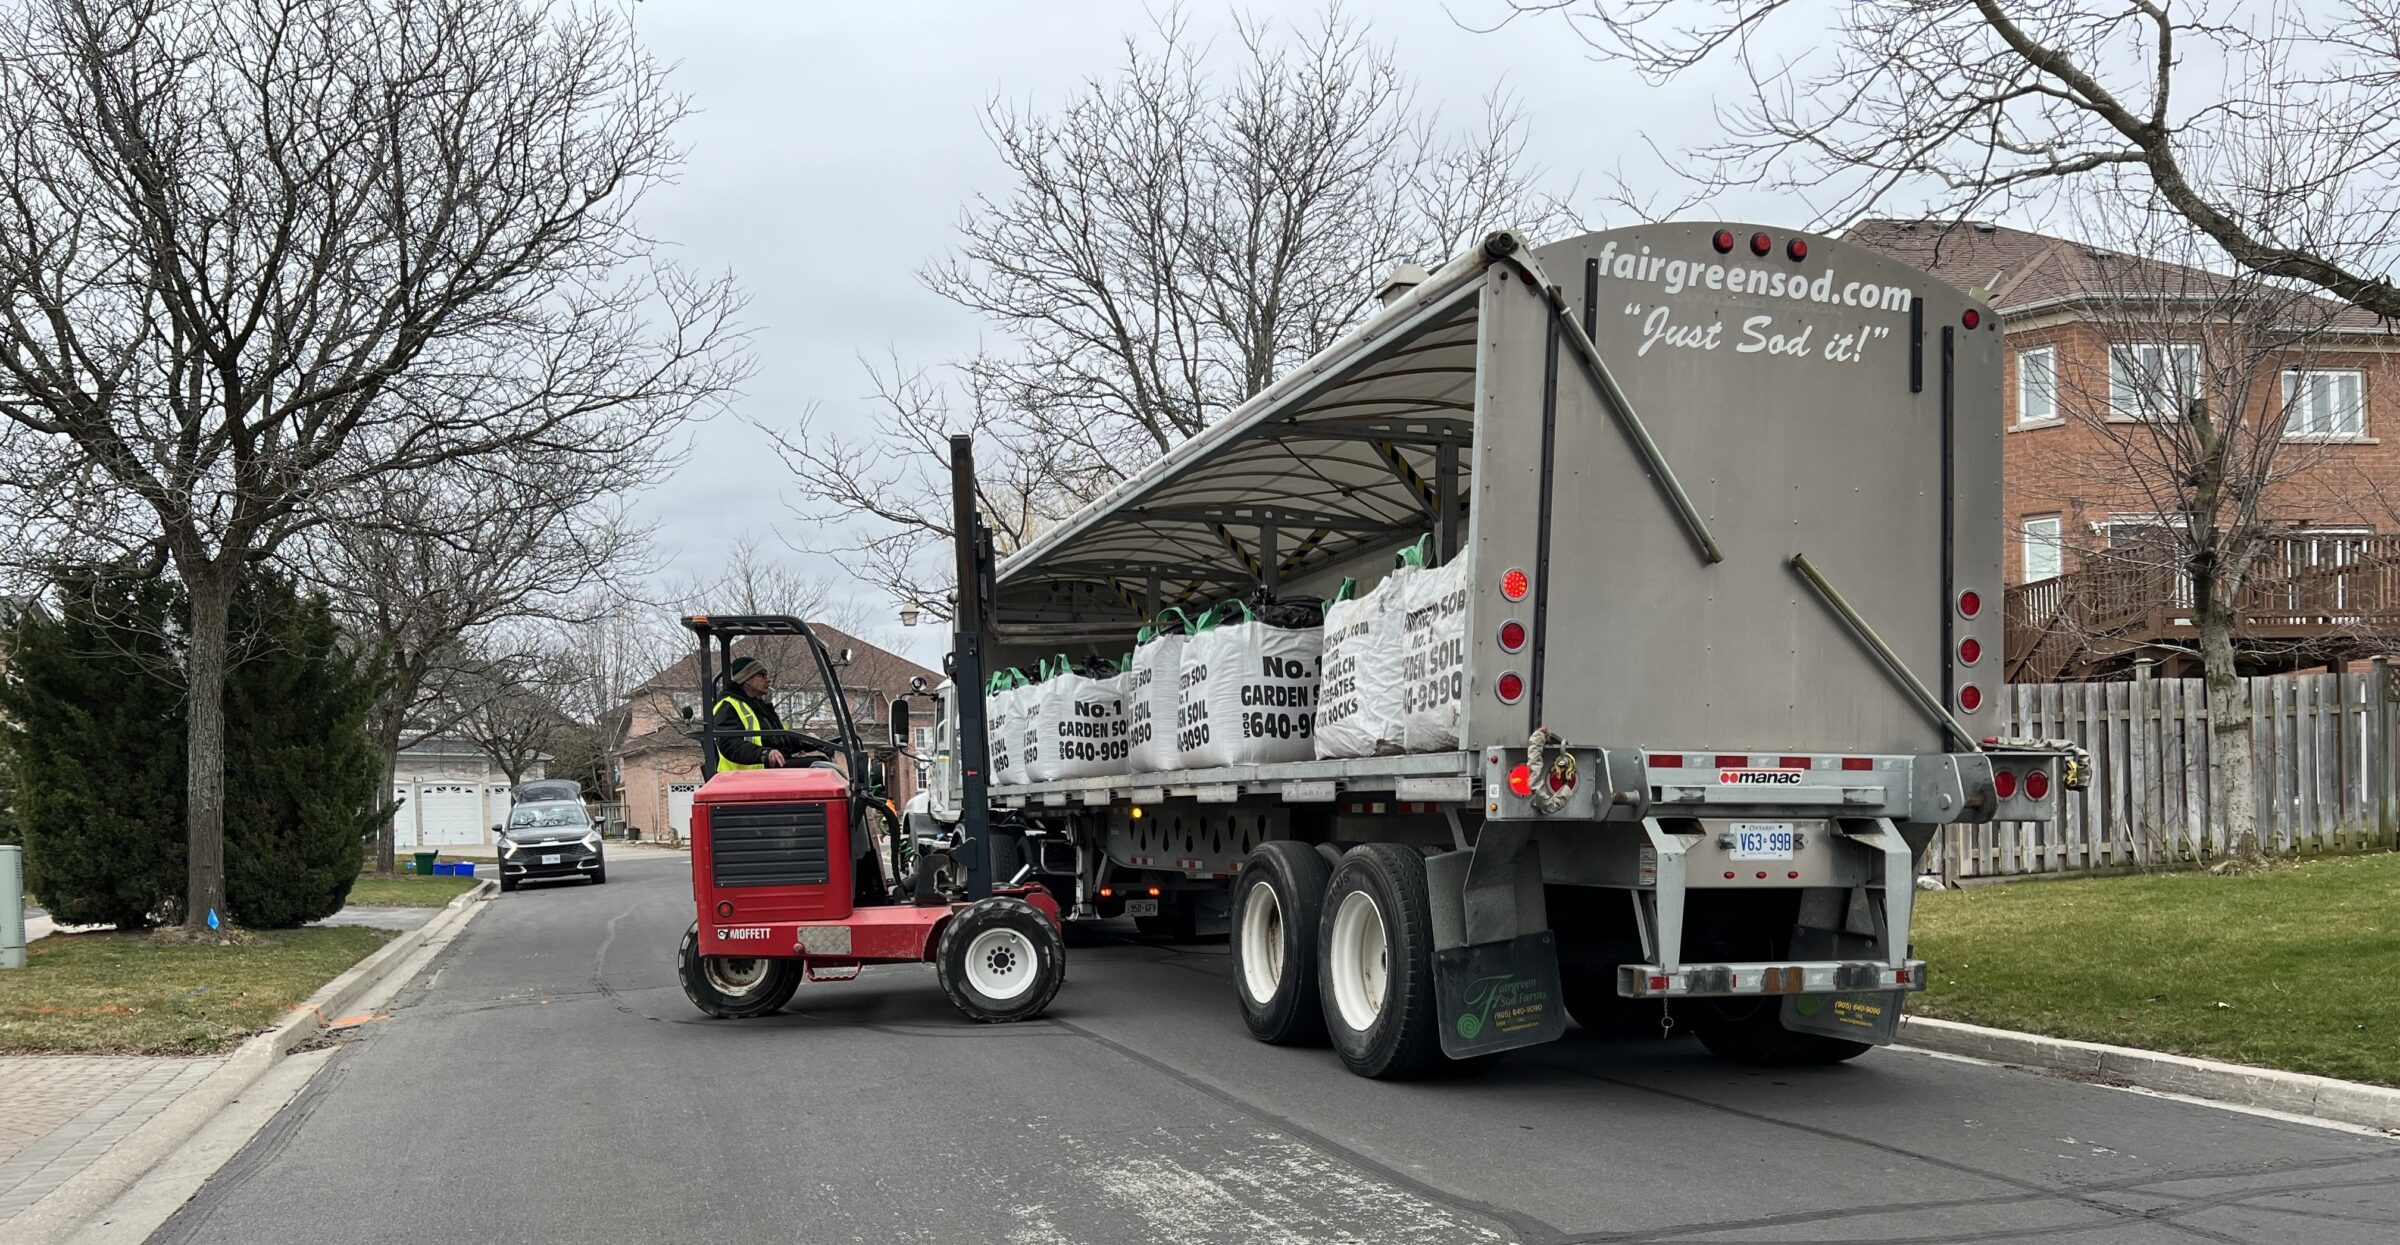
[[1338, 951]]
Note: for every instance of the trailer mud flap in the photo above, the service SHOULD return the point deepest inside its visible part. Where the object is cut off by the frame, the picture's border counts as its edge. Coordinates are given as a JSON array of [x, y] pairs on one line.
[[1496, 996], [1864, 1016]]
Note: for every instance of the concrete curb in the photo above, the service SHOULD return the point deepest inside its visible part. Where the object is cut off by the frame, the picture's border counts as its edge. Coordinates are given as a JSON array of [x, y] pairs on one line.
[[90, 1192], [2321, 1097]]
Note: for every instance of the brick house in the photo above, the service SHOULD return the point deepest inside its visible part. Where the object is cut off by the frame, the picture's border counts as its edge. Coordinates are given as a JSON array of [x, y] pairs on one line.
[[2075, 358], [658, 764]]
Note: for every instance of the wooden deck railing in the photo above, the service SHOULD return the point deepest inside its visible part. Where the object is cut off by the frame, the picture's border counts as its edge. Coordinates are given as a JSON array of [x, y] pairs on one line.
[[2312, 589]]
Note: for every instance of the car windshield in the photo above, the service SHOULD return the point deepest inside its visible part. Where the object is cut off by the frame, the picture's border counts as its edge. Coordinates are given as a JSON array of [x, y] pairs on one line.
[[548, 817]]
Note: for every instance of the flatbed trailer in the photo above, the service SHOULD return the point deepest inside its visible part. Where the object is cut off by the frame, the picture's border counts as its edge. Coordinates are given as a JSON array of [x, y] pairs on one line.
[[1729, 497]]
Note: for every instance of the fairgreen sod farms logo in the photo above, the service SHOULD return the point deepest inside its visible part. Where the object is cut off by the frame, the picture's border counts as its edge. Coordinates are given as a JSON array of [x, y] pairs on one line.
[[1505, 999]]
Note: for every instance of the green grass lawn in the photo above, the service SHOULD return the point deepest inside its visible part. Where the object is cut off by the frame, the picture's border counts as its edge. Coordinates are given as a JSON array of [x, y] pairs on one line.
[[407, 891], [125, 993], [2296, 968]]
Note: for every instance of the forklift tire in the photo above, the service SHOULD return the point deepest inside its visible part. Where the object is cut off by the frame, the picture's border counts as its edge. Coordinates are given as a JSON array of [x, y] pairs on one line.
[[732, 987], [1375, 964], [1001, 960], [1277, 899], [1750, 1032]]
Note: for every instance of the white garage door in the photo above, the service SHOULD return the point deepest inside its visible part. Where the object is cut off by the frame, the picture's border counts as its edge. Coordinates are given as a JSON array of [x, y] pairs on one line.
[[449, 815], [404, 818], [679, 808]]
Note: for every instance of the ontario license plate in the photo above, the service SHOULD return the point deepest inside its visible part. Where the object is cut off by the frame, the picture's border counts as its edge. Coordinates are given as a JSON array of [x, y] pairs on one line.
[[550, 859], [1762, 840], [1141, 907]]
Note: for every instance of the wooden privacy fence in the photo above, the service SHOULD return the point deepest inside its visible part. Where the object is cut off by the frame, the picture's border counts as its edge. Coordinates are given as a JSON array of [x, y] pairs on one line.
[[2325, 777]]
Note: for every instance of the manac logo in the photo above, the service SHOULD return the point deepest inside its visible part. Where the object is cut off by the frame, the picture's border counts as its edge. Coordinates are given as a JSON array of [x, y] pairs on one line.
[[1504, 993]]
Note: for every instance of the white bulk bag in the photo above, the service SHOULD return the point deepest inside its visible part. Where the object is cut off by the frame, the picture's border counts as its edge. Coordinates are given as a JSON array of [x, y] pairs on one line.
[[1433, 656], [1150, 699], [1079, 727], [1358, 700], [1247, 694], [1001, 733]]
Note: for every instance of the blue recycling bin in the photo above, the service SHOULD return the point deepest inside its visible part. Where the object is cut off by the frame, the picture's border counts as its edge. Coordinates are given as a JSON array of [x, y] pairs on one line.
[[464, 869], [443, 868]]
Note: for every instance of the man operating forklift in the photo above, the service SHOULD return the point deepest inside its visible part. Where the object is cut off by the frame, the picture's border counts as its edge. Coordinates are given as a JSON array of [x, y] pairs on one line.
[[750, 733]]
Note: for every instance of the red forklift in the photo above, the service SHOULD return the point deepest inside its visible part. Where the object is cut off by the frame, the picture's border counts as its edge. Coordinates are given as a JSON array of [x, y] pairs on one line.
[[805, 872]]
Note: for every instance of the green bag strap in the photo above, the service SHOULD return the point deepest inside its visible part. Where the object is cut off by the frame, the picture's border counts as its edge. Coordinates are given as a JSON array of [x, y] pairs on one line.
[[1418, 553], [1223, 614], [1348, 589]]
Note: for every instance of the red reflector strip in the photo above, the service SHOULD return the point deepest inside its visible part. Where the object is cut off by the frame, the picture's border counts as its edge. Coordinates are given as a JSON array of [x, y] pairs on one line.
[[1855, 763], [1900, 975], [1659, 983], [1796, 763], [1667, 760], [1732, 762]]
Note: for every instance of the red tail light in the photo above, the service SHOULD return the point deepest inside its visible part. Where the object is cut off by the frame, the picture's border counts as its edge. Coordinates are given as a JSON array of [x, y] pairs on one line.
[[1970, 698], [2004, 783], [1970, 603], [1512, 636], [1797, 248], [2037, 785], [1760, 244], [1511, 687], [1970, 651], [1972, 318], [1513, 584], [1520, 780], [1723, 241]]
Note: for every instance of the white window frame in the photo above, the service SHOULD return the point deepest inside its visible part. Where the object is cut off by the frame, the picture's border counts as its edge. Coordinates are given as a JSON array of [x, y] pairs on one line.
[[2041, 361], [2294, 411], [2029, 540], [2132, 363]]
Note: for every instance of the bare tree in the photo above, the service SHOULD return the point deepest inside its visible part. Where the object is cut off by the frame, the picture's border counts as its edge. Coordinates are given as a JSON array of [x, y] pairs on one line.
[[2199, 441], [1173, 237], [2273, 129], [433, 568], [515, 717], [255, 254]]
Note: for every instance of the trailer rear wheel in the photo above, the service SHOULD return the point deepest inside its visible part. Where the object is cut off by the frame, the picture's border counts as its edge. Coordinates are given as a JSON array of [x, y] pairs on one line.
[[1751, 1032], [1001, 960], [734, 987], [1375, 963], [1276, 901]]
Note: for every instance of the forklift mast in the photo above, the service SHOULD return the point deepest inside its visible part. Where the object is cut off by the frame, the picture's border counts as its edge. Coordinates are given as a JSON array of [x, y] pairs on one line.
[[971, 626]]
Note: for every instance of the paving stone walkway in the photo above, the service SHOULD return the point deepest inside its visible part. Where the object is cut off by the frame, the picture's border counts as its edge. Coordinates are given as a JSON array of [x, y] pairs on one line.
[[60, 1112]]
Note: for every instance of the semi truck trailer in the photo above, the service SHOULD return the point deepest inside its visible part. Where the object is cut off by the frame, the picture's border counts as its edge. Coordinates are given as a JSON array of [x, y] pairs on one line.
[[1727, 500]]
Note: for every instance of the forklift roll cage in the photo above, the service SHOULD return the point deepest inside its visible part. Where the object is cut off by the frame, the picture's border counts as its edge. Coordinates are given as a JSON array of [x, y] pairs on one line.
[[725, 629]]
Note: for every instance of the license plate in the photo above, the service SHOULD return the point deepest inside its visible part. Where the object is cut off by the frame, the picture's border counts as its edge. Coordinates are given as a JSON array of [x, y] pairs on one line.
[[1762, 840], [1141, 907], [552, 858]]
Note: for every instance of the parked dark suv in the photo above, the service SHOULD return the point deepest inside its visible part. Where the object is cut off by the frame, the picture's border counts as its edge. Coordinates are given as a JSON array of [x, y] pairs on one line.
[[549, 840]]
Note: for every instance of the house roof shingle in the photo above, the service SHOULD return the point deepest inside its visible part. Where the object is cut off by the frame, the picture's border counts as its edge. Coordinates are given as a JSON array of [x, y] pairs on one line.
[[2017, 270]]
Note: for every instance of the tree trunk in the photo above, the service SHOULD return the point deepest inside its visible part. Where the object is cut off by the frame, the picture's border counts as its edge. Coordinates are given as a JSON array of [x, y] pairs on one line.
[[387, 725], [211, 590], [2229, 733]]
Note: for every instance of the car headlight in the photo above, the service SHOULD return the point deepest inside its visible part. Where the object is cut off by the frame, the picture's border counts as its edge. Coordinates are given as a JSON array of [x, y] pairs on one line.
[[591, 841], [508, 846]]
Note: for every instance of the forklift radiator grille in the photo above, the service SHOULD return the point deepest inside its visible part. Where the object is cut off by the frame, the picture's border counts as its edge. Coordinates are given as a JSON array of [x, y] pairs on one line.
[[768, 844]]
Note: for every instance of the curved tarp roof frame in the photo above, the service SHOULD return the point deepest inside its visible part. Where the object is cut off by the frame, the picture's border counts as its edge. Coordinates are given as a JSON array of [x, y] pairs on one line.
[[1339, 456]]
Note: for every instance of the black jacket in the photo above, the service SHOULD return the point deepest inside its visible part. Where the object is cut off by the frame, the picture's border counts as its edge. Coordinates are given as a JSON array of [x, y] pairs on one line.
[[733, 738]]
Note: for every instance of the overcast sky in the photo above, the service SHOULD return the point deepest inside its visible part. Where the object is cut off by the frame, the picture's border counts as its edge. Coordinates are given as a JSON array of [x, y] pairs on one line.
[[834, 145]]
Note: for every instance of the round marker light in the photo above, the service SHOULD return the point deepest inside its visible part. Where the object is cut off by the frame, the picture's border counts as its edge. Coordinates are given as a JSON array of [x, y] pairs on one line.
[[1760, 244], [1970, 698], [1512, 636], [1970, 603], [1970, 651], [1797, 248], [725, 910], [1514, 584], [2037, 785], [1972, 318], [2004, 783], [1520, 780], [1723, 241], [1511, 687]]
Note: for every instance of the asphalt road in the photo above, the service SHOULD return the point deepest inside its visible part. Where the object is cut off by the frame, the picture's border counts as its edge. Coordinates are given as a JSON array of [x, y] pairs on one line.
[[546, 1081]]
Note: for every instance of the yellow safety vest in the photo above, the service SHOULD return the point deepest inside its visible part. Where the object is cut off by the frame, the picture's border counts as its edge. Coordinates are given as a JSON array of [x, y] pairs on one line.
[[749, 725]]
